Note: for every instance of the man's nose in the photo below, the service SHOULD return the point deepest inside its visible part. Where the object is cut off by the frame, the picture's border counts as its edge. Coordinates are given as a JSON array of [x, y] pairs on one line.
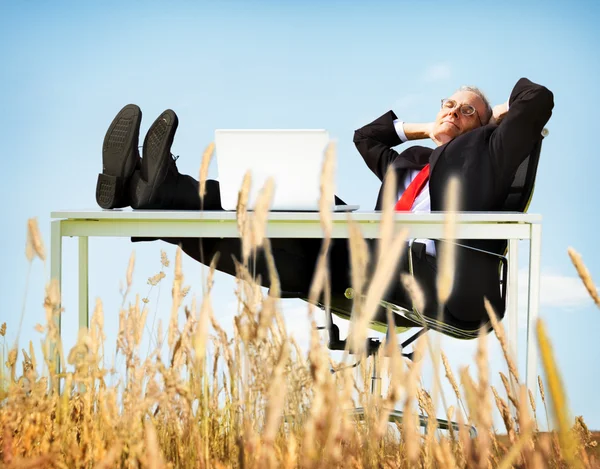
[[454, 112]]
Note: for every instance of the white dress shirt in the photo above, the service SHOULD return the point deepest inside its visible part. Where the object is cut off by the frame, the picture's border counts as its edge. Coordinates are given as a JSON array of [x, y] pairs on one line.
[[422, 203]]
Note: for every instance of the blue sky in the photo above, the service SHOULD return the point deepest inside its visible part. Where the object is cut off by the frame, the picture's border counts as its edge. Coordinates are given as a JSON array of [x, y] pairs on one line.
[[68, 67]]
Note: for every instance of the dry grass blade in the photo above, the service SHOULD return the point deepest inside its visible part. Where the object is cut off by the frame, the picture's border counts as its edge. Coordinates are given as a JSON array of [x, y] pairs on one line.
[[450, 376], [320, 281], [396, 367], [177, 297], [500, 334], [557, 395], [276, 397], [378, 286], [275, 287], [484, 408], [411, 435], [35, 244], [130, 269], [35, 463], [201, 334], [204, 165], [270, 304], [447, 256], [29, 251], [532, 403], [584, 274], [386, 227], [411, 285], [168, 410], [543, 395], [526, 424], [109, 461], [359, 261], [515, 450], [261, 211], [242, 216], [327, 189], [509, 392], [155, 459], [164, 260], [320, 277]]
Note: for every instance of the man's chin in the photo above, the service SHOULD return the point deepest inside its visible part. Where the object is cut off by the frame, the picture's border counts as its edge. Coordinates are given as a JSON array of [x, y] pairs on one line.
[[447, 136]]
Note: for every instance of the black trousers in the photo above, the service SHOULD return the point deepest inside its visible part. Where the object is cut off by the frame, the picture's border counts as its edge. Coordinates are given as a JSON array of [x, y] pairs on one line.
[[295, 258]]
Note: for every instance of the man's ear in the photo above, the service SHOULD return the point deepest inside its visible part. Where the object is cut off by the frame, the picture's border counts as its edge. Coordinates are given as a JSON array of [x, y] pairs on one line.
[[496, 120]]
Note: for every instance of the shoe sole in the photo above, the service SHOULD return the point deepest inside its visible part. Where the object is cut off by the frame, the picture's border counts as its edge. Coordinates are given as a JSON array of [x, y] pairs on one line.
[[156, 156], [119, 153]]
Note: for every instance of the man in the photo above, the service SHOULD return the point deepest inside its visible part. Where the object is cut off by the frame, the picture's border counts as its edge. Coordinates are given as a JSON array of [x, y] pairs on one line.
[[483, 149]]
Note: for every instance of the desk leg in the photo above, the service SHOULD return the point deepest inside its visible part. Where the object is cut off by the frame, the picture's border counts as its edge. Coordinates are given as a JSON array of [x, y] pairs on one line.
[[84, 318], [535, 254], [513, 304], [55, 274]]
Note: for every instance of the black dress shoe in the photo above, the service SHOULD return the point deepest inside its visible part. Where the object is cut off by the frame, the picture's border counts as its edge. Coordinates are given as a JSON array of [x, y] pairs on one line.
[[120, 157], [158, 170]]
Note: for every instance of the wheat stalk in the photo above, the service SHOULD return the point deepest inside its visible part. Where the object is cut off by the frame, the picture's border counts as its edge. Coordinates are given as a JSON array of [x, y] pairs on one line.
[[378, 286], [327, 189], [557, 394], [220, 403], [386, 224], [261, 211], [35, 244], [204, 165], [447, 255], [500, 334], [584, 274]]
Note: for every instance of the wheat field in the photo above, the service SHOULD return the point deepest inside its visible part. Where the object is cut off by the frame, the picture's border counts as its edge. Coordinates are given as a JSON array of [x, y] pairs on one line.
[[256, 400]]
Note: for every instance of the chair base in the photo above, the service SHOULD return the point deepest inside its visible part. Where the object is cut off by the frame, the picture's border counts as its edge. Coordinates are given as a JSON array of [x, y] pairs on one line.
[[396, 416]]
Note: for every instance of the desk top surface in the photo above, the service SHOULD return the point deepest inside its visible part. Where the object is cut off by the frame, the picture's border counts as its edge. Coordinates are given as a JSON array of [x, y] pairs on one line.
[[192, 215]]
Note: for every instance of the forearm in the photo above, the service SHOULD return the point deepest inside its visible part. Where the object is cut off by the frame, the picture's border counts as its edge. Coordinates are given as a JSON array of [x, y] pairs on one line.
[[416, 131]]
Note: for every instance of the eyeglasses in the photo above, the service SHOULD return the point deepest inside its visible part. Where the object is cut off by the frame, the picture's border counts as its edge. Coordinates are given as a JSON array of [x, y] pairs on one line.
[[465, 109]]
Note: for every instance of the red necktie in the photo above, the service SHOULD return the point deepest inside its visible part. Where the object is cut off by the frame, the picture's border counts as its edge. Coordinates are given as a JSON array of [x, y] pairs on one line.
[[413, 190]]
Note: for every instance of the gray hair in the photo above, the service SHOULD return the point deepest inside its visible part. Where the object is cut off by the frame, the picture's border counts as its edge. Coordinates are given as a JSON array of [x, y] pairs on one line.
[[488, 108]]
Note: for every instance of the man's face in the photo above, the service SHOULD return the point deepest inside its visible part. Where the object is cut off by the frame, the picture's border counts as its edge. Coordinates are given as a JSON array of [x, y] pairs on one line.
[[452, 122]]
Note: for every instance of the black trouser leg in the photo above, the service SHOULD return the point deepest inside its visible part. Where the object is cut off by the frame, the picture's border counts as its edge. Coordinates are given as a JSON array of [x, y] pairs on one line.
[[294, 258]]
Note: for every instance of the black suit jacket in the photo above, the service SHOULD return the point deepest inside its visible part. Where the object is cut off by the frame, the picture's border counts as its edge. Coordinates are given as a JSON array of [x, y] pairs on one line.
[[485, 161]]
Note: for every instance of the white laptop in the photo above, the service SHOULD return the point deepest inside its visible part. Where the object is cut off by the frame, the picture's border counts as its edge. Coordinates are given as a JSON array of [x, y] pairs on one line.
[[294, 158]]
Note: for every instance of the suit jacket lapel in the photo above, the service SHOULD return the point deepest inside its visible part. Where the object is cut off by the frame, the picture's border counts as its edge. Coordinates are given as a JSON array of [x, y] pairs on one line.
[[415, 157], [412, 158], [435, 156]]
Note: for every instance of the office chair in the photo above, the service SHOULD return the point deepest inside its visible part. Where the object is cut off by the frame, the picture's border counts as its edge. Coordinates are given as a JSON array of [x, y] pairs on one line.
[[518, 200]]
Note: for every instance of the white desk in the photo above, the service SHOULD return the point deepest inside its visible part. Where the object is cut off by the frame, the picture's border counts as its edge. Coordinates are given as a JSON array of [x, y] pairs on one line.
[[156, 223]]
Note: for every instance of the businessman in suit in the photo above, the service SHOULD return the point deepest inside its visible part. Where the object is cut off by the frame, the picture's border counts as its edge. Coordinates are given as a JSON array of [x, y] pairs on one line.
[[481, 146]]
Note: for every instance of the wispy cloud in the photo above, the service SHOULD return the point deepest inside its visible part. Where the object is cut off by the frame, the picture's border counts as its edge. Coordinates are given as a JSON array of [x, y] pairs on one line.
[[437, 72], [558, 290]]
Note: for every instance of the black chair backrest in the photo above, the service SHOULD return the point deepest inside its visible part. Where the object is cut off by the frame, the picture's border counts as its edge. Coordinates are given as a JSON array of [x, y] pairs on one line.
[[521, 189]]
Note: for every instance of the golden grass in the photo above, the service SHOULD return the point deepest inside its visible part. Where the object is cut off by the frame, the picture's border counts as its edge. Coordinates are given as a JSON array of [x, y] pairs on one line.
[[584, 274], [204, 165], [255, 400]]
